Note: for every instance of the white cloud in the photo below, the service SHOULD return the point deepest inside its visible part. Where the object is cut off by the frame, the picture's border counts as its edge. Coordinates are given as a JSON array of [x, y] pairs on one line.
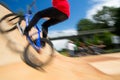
[[61, 44], [68, 32], [98, 4]]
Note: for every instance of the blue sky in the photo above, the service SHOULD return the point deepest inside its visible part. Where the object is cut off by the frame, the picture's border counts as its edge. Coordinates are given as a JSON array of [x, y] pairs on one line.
[[78, 10]]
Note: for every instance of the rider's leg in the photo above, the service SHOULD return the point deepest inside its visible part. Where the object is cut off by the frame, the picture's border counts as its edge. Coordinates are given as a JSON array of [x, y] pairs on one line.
[[46, 25], [38, 16], [54, 19], [52, 13]]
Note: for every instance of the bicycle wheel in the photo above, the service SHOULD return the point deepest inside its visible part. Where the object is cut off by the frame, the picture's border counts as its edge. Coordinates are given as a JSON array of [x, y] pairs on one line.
[[8, 22], [37, 60]]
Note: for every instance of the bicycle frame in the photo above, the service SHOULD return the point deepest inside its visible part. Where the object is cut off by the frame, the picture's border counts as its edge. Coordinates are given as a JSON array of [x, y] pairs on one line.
[[37, 46]]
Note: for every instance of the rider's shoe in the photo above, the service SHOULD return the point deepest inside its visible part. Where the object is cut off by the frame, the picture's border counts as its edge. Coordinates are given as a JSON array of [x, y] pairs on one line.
[[42, 44], [26, 31], [44, 33], [38, 44]]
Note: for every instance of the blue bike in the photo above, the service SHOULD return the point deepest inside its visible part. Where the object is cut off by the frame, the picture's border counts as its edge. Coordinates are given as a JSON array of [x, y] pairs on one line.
[[42, 46]]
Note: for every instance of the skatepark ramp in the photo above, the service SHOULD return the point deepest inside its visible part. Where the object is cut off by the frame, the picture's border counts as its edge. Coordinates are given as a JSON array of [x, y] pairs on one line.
[[101, 67]]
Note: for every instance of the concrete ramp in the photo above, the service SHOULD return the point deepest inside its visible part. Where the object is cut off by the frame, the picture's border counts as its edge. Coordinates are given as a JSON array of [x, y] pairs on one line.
[[102, 67], [12, 44]]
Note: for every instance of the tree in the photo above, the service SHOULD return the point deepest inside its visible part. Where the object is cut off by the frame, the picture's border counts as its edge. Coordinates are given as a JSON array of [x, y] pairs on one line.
[[105, 17], [85, 24], [117, 22]]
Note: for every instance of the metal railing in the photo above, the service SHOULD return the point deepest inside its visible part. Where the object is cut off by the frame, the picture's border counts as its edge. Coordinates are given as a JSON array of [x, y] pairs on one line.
[[82, 33]]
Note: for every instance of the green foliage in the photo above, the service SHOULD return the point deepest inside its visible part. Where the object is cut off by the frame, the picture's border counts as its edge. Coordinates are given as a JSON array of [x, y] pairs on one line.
[[105, 15], [85, 24], [106, 18], [94, 40], [117, 22], [76, 41], [64, 52], [105, 38]]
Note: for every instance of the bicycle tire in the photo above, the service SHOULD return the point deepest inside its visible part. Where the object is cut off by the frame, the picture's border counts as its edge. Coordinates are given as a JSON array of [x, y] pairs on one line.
[[2, 30], [29, 61]]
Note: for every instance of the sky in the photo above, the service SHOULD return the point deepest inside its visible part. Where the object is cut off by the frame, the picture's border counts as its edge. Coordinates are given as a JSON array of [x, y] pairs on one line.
[[79, 9]]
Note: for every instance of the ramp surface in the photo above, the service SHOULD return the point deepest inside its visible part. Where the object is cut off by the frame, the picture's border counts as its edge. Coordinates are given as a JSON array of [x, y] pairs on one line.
[[102, 67]]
